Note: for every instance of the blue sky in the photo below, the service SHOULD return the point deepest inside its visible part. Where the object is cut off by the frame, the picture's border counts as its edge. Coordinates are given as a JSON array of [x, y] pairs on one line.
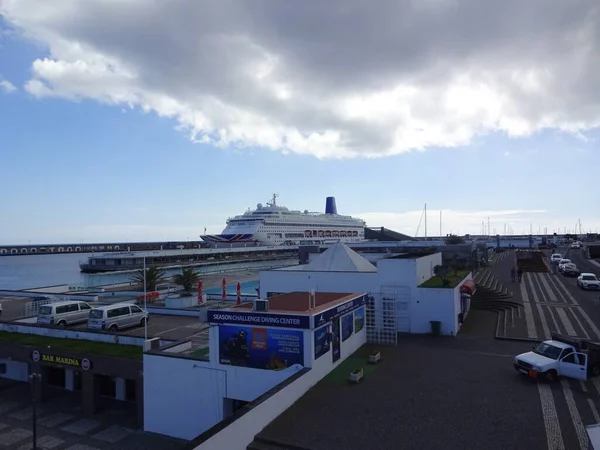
[[93, 171]]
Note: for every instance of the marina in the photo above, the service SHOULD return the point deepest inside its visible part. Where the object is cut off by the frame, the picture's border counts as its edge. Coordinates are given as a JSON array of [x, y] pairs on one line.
[[110, 262]]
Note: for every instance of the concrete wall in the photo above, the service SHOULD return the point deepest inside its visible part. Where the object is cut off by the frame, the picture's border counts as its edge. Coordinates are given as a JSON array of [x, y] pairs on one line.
[[439, 304], [182, 397], [85, 298], [15, 370]]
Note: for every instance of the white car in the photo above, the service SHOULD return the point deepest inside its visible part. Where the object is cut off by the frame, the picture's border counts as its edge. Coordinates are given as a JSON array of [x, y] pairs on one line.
[[562, 263], [555, 258], [576, 245], [588, 281]]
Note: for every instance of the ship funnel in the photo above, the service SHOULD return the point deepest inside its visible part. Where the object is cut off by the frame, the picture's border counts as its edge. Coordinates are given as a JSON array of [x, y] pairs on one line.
[[330, 207]]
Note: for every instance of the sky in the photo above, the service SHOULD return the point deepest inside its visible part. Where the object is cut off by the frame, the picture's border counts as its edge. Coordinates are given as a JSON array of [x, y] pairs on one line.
[[150, 120]]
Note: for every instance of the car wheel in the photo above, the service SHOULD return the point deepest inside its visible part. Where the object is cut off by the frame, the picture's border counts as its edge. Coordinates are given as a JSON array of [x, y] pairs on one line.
[[551, 376], [62, 324], [143, 321], [113, 328]]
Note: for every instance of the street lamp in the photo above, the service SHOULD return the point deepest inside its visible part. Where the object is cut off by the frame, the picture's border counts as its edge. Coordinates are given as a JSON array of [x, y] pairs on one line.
[[34, 377], [145, 306]]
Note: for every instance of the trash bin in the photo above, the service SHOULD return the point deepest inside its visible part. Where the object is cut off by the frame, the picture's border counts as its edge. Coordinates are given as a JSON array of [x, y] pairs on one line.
[[436, 327]]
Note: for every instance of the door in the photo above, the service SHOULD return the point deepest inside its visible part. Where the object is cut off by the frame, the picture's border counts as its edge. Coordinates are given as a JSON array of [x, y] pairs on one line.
[[574, 365], [336, 352], [402, 317]]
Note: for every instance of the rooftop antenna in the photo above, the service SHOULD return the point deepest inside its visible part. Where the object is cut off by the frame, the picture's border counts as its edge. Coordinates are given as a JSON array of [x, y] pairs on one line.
[[425, 221]]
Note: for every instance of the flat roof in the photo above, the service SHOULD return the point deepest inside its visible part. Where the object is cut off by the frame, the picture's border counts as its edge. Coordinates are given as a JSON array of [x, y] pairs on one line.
[[187, 252], [298, 302]]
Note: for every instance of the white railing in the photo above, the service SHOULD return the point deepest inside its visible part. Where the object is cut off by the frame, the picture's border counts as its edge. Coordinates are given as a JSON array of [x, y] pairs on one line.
[[31, 308]]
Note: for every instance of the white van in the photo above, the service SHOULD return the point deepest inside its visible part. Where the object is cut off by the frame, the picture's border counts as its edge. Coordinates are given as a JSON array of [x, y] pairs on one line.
[[63, 313], [116, 317]]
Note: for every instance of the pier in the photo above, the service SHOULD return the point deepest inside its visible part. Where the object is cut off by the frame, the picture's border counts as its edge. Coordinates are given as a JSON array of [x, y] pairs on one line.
[[8, 250]]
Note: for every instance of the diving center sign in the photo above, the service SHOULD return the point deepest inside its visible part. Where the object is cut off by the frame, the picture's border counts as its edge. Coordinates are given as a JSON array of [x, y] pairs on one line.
[[262, 319], [84, 363]]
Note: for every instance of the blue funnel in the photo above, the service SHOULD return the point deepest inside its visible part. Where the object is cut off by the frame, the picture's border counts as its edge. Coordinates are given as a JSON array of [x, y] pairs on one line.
[[330, 207]]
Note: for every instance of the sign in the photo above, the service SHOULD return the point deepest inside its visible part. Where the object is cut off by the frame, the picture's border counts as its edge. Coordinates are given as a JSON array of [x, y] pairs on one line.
[[337, 311], [84, 363], [347, 326], [359, 319], [322, 344], [258, 319], [260, 348]]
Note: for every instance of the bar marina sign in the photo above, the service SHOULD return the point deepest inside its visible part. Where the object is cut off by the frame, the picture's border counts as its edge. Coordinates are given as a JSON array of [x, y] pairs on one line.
[[84, 363]]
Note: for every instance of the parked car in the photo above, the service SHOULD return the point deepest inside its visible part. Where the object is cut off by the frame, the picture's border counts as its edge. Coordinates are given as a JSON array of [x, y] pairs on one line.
[[117, 317], [562, 263], [575, 245], [0, 309], [63, 313], [570, 270], [555, 258], [588, 281]]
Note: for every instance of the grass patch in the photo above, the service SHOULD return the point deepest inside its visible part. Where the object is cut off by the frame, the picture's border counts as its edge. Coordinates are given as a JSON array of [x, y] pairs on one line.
[[358, 360], [74, 345], [201, 352], [453, 278]]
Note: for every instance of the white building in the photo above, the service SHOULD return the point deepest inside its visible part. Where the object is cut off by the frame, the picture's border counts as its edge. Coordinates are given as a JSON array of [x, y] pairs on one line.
[[396, 302], [251, 352]]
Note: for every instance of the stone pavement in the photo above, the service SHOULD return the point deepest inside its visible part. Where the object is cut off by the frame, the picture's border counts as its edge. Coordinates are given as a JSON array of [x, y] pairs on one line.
[[62, 426]]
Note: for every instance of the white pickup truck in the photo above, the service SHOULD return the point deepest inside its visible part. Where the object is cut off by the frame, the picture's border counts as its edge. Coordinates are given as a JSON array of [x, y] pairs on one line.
[[561, 356]]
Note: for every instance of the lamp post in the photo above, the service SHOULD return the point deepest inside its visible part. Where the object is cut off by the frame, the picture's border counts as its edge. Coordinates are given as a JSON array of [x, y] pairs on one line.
[[145, 305], [34, 377]]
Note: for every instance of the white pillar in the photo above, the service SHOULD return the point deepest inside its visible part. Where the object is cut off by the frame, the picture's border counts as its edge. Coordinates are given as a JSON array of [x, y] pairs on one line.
[[69, 379], [120, 389]]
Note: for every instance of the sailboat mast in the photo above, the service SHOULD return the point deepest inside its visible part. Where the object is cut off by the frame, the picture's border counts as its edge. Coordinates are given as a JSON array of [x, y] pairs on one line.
[[425, 221], [441, 223]]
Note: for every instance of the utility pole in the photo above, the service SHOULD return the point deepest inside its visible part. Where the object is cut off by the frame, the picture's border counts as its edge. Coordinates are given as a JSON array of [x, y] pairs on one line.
[[441, 223], [489, 229]]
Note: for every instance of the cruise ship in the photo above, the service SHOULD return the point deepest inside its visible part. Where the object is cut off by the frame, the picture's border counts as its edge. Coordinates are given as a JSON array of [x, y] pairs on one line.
[[272, 224]]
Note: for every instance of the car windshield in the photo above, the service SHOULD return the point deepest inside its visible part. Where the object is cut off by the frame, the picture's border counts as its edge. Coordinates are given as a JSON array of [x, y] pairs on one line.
[[96, 314], [547, 350], [565, 261], [589, 278], [45, 310], [557, 256]]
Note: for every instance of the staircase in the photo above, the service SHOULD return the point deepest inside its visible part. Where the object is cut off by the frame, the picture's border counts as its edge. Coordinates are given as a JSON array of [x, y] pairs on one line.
[[267, 444], [491, 295]]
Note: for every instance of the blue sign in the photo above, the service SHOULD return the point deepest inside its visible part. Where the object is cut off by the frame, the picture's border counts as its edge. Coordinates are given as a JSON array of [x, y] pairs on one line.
[[321, 337], [347, 326], [337, 311], [258, 319], [260, 348], [359, 319]]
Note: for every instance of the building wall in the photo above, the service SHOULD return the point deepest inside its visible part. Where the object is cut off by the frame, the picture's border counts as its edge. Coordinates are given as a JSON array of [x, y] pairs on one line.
[[182, 397], [242, 432], [15, 370], [284, 281], [424, 267], [443, 305]]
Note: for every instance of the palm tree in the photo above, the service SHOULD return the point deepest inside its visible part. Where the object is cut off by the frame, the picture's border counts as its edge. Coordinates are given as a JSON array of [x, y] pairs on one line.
[[154, 275], [187, 278]]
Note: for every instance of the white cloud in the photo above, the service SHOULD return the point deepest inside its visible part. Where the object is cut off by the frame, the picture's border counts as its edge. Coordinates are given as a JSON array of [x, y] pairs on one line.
[[472, 222], [336, 79], [7, 86]]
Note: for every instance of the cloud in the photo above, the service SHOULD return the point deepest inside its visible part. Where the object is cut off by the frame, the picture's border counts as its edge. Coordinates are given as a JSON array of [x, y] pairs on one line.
[[343, 78], [471, 222], [7, 86]]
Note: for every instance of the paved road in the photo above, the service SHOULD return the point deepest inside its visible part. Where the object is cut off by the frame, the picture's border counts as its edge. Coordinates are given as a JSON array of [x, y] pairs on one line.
[[554, 303]]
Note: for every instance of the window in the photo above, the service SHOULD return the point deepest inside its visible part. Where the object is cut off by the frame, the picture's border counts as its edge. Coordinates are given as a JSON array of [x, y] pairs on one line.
[[135, 309], [74, 307], [113, 312], [84, 306], [61, 309], [45, 310], [575, 358], [124, 311], [96, 314]]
